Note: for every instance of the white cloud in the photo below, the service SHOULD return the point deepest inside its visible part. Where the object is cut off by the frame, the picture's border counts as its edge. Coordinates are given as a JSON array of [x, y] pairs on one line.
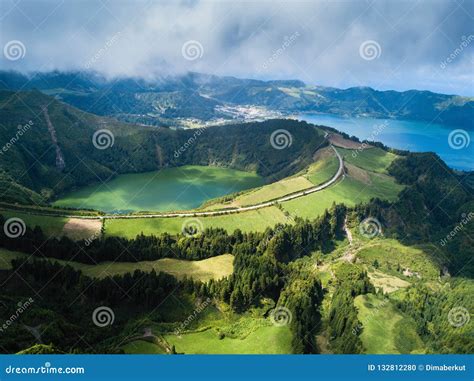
[[238, 38]]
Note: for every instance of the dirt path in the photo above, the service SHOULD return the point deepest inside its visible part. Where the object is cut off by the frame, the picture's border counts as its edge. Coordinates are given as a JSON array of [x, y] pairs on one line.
[[60, 163]]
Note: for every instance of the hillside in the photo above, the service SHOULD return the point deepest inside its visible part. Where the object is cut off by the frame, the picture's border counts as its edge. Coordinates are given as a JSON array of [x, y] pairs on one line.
[[211, 98], [55, 151]]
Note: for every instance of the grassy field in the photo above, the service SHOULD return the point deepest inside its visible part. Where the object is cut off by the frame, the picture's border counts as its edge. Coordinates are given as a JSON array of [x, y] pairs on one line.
[[272, 191], [388, 283], [143, 347], [52, 226], [254, 220], [393, 258], [349, 191], [385, 330], [227, 333], [324, 169], [371, 159], [180, 188], [204, 270], [265, 339], [359, 185]]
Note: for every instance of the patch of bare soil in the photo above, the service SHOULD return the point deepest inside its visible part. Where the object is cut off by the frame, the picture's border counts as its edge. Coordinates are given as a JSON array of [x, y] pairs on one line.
[[340, 141], [80, 228], [357, 173]]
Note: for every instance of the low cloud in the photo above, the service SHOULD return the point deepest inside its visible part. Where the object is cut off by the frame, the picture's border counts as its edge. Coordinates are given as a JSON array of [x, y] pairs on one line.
[[145, 39]]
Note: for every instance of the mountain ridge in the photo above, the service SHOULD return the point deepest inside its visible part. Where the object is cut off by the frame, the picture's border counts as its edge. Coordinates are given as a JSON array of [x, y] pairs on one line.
[[204, 97]]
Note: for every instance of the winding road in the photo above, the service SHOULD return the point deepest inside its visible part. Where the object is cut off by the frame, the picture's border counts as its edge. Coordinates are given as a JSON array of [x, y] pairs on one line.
[[292, 196], [288, 197]]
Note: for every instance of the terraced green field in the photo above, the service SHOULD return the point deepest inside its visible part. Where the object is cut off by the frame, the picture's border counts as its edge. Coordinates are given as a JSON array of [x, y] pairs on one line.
[[254, 220], [273, 191], [385, 330], [371, 159], [349, 191], [323, 170]]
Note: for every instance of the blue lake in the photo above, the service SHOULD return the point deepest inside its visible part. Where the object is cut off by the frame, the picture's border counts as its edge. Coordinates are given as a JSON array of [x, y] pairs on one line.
[[405, 135]]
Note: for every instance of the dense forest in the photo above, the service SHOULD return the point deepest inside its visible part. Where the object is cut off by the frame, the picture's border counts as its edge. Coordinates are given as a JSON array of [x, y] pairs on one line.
[[266, 265], [129, 148]]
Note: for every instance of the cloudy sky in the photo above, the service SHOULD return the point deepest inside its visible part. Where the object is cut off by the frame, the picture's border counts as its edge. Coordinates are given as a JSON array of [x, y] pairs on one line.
[[384, 44]]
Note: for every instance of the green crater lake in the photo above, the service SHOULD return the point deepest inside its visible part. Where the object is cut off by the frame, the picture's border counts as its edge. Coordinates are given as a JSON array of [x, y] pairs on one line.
[[169, 189]]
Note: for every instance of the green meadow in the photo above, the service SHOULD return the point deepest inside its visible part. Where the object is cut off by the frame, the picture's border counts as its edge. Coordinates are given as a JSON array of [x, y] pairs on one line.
[[52, 226], [253, 220], [349, 191], [203, 270], [402, 261], [385, 330], [371, 159]]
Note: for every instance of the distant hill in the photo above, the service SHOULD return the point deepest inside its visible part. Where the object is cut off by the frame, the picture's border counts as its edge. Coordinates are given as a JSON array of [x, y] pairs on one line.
[[195, 95], [48, 147]]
